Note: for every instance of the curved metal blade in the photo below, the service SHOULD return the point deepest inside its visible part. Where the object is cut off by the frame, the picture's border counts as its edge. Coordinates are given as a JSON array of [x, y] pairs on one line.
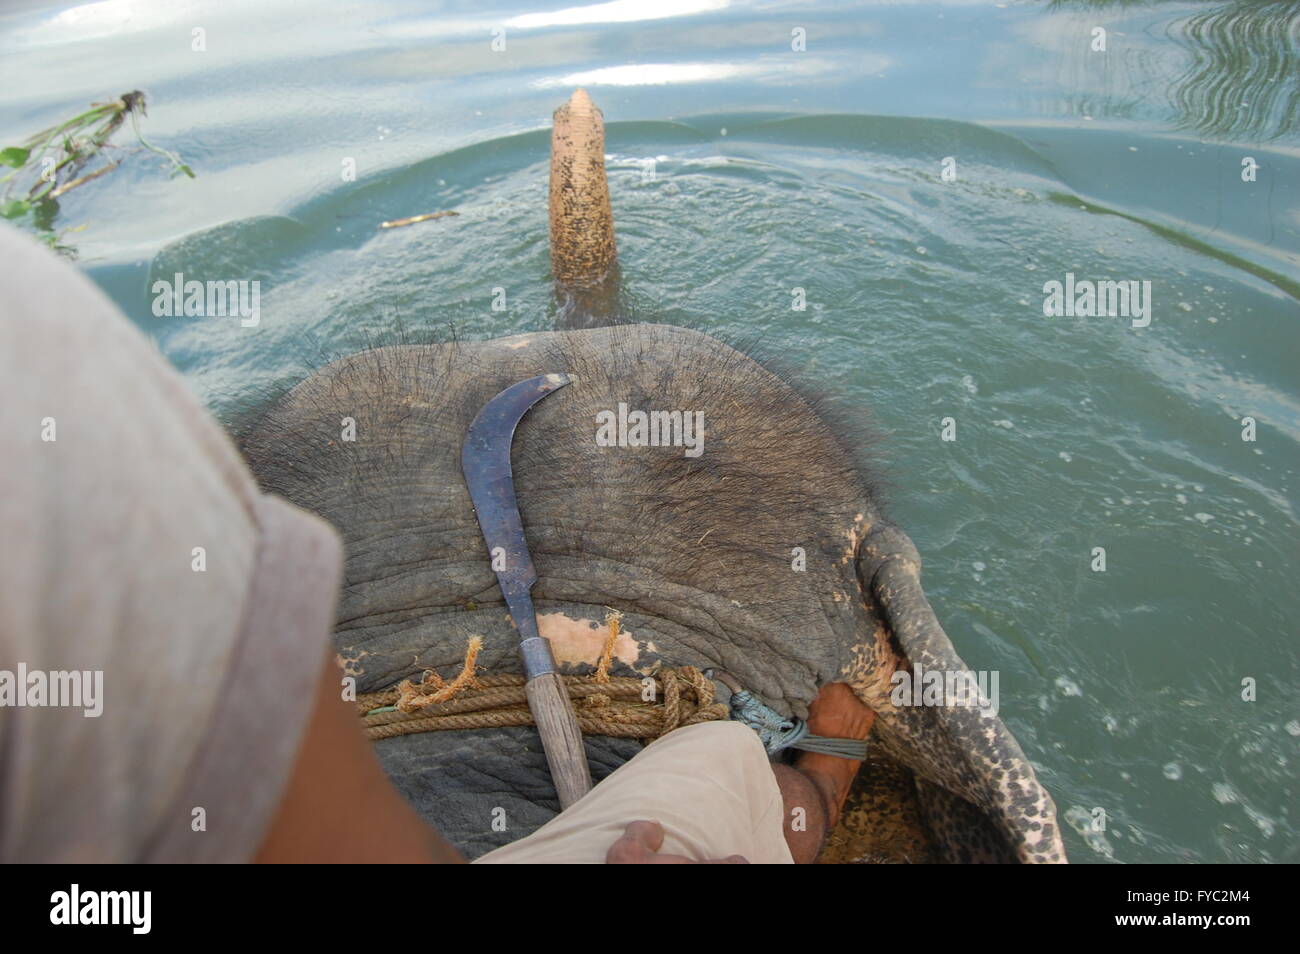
[[485, 461]]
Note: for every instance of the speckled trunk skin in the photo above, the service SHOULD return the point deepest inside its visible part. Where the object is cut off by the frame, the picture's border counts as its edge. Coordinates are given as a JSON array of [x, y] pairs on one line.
[[977, 792], [584, 257], [882, 821], [697, 553]]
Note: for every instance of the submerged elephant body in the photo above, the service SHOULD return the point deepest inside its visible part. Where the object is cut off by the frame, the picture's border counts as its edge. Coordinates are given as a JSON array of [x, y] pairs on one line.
[[677, 482], [765, 555]]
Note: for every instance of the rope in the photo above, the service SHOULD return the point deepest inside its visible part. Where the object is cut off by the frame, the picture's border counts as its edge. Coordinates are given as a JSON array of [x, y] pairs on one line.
[[604, 705], [613, 708], [777, 732]]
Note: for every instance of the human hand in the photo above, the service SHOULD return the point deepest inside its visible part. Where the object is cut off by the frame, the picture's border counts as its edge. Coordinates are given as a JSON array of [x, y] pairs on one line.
[[640, 845]]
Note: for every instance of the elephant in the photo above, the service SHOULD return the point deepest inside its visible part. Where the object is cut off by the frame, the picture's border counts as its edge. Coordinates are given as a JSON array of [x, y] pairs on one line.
[[691, 544]]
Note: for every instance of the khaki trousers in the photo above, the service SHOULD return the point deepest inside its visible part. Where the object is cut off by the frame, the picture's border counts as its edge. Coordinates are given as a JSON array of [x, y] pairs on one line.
[[709, 785]]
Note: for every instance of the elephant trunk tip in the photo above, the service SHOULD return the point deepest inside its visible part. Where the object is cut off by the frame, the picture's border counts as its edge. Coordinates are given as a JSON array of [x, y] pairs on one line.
[[580, 103], [583, 251]]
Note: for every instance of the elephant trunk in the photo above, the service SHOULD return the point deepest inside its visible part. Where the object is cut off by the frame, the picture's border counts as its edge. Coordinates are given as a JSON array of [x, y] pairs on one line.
[[584, 259], [1002, 815]]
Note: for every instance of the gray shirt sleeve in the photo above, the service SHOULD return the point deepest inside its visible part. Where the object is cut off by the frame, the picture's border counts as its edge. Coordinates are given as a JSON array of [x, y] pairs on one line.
[[176, 617]]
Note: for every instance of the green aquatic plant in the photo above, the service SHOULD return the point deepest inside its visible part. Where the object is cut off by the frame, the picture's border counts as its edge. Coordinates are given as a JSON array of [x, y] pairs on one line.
[[53, 162]]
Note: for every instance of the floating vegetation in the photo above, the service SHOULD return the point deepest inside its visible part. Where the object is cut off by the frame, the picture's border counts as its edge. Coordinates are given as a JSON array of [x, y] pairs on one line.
[[54, 161], [398, 223]]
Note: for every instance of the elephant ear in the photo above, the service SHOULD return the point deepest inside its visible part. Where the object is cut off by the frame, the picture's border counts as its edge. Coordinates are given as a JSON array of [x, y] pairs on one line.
[[981, 798]]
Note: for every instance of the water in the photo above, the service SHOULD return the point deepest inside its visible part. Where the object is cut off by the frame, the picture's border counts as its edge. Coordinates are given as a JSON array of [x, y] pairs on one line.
[[774, 169]]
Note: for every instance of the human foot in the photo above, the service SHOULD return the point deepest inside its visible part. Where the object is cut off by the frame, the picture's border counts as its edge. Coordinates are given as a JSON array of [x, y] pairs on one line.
[[836, 713]]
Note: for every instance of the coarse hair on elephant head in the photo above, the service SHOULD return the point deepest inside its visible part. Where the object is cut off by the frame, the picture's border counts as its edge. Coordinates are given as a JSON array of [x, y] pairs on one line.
[[773, 475]]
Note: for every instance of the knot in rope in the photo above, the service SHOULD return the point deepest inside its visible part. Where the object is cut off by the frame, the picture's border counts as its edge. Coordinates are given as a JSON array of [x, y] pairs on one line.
[[776, 732]]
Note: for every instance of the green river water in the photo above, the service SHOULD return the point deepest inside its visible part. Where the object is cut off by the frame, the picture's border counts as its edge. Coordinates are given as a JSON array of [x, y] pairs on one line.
[[740, 169]]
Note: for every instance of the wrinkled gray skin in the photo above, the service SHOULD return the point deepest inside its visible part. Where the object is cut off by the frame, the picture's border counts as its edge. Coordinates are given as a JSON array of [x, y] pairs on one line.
[[697, 553]]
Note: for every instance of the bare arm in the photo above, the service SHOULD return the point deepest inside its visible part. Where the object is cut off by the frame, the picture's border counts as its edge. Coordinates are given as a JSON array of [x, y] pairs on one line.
[[339, 806]]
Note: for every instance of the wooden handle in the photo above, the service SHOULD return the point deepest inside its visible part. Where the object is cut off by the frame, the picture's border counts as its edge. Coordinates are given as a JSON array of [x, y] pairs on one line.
[[549, 703]]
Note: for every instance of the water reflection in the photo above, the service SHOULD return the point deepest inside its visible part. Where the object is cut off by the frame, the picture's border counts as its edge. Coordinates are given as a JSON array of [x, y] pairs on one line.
[[1243, 78], [776, 70], [618, 11]]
